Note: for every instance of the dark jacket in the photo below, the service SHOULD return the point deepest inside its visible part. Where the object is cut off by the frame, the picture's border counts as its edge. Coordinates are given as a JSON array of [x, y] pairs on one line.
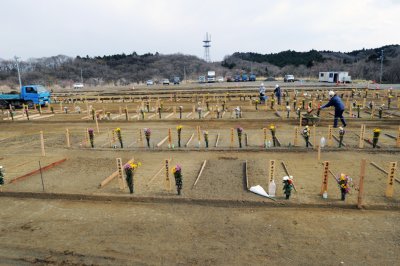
[[336, 102], [277, 91]]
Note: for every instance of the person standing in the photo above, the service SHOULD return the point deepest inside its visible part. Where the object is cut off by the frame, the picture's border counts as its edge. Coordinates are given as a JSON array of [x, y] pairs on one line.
[[262, 93], [339, 108], [277, 92]]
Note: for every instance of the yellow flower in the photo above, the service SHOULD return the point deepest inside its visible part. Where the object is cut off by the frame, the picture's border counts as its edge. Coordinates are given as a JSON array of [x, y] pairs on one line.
[[377, 130], [272, 127], [179, 127], [117, 129], [173, 170]]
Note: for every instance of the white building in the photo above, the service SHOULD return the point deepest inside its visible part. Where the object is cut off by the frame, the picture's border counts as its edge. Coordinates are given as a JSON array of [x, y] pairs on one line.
[[334, 76]]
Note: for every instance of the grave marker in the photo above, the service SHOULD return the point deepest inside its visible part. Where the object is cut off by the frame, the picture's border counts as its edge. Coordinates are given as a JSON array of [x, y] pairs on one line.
[[271, 170], [390, 180], [325, 174]]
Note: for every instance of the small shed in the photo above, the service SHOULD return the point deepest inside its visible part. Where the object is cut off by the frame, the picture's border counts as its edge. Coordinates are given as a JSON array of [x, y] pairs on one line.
[[334, 76]]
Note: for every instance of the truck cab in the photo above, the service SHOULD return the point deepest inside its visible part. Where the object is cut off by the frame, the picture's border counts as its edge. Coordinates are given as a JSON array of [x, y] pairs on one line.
[[35, 94]]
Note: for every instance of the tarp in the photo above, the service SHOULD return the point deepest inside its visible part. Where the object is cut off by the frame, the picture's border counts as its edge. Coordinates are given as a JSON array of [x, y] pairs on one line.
[[260, 191]]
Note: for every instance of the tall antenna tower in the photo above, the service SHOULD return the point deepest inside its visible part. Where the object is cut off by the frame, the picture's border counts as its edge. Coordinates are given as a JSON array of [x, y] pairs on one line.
[[207, 46]]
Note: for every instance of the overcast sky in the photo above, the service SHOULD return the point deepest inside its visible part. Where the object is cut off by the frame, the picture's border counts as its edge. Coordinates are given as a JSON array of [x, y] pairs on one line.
[[38, 28]]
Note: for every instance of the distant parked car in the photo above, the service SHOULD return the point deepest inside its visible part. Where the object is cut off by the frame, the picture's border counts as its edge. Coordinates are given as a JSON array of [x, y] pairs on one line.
[[252, 77], [229, 79], [220, 79], [177, 80], [288, 78], [165, 82], [149, 82], [202, 79], [238, 78], [78, 86]]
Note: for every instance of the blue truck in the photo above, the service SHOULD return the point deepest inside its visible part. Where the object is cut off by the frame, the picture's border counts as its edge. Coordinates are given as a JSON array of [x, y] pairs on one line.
[[29, 95]]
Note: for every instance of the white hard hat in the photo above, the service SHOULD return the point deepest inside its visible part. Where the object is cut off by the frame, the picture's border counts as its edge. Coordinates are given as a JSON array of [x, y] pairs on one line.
[[331, 93], [276, 86], [262, 84], [285, 178]]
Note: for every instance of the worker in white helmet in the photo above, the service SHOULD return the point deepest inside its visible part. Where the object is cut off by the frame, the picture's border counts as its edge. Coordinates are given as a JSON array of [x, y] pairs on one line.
[[335, 101], [277, 92]]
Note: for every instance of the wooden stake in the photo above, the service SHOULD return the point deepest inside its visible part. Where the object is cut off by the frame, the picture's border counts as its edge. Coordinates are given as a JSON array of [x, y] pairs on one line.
[[296, 134], [67, 138], [141, 138], [97, 123], [265, 137], [169, 137], [330, 135], [362, 132], [201, 171], [271, 170], [167, 179], [314, 134], [231, 137], [361, 184], [121, 181], [42, 143], [398, 139], [324, 186], [319, 153], [390, 180], [301, 118]]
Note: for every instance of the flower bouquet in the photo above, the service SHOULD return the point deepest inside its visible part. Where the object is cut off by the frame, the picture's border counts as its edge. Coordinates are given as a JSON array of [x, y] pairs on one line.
[[256, 102], [129, 172], [205, 133], [239, 133], [119, 136], [179, 131], [91, 137], [343, 183], [272, 102], [1, 176], [288, 186], [177, 171], [147, 134], [375, 139]]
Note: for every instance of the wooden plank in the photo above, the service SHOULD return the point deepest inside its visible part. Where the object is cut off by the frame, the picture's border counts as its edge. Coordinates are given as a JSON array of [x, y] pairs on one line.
[[162, 141], [112, 176], [382, 170], [245, 175], [201, 171], [285, 168], [217, 140], [168, 116], [190, 139], [47, 167]]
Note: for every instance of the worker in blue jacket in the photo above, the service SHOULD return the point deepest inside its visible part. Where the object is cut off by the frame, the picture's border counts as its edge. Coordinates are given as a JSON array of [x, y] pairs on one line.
[[339, 108], [277, 92]]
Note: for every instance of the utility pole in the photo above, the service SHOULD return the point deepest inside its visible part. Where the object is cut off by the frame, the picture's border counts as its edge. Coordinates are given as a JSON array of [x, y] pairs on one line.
[[19, 74], [184, 74], [381, 67], [81, 77]]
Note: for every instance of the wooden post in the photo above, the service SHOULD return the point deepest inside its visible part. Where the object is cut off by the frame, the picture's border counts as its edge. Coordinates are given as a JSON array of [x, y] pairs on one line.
[[67, 138], [169, 138], [361, 184], [351, 110], [296, 135], [325, 174], [61, 107], [330, 135], [319, 153], [314, 135], [198, 135], [362, 132], [121, 181], [141, 138], [167, 179], [265, 137], [97, 123], [42, 143], [301, 118], [390, 180], [120, 110], [398, 139], [231, 137], [174, 109], [271, 170]]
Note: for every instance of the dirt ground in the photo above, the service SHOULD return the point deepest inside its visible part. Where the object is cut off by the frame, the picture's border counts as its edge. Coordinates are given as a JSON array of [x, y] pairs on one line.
[[245, 229]]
